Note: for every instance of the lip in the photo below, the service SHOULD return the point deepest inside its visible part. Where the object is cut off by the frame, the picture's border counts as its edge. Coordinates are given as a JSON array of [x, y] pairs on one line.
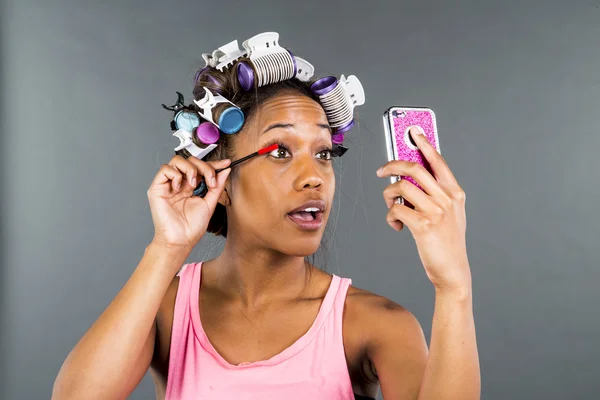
[[313, 225], [320, 204]]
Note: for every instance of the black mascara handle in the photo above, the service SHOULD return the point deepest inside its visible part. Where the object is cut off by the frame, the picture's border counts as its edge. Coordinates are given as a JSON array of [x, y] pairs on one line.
[[201, 189]]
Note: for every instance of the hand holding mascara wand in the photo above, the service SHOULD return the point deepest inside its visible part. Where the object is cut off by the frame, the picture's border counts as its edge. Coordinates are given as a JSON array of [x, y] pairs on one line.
[[202, 188]]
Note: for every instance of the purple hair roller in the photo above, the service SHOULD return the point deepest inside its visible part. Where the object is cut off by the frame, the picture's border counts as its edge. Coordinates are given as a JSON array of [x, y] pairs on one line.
[[207, 133], [345, 128], [324, 85], [245, 76], [338, 97], [199, 75], [337, 138]]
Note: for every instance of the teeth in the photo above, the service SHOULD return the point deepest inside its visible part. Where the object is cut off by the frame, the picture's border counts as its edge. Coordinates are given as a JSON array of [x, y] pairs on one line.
[[313, 209]]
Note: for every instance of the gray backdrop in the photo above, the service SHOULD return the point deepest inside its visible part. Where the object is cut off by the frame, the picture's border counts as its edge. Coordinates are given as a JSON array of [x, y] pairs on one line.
[[516, 88]]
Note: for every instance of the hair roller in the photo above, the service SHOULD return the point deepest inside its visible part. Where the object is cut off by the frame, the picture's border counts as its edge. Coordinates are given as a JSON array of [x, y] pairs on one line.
[[184, 122], [268, 63], [207, 133], [338, 98], [261, 61], [221, 112]]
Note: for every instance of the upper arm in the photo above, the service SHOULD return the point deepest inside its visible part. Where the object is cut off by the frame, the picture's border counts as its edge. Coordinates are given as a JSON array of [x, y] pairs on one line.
[[397, 350]]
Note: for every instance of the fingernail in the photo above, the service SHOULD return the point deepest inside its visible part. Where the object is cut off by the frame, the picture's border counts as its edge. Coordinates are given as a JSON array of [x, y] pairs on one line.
[[193, 182], [213, 181], [416, 131], [379, 171]]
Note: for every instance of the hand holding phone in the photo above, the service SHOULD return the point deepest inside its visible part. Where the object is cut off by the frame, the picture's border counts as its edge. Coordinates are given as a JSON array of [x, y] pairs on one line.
[[397, 122]]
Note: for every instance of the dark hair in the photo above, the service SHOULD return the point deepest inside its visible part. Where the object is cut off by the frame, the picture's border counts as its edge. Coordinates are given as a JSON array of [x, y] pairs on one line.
[[226, 84]]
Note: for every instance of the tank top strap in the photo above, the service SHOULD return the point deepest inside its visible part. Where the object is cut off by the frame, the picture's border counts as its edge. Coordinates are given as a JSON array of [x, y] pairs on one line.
[[186, 278], [340, 300], [188, 275], [181, 323], [329, 299]]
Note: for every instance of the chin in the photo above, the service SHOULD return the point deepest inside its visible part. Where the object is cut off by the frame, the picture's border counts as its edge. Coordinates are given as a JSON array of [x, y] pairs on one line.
[[290, 239], [300, 247]]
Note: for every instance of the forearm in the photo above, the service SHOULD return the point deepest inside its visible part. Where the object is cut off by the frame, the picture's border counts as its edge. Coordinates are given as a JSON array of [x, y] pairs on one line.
[[109, 352], [452, 370]]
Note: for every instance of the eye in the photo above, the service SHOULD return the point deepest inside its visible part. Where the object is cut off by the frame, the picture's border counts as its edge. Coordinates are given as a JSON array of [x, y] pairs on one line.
[[324, 154], [280, 152]]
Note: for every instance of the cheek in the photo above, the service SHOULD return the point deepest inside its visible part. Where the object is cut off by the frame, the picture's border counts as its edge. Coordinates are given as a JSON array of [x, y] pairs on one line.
[[329, 180], [330, 190], [259, 188], [265, 191]]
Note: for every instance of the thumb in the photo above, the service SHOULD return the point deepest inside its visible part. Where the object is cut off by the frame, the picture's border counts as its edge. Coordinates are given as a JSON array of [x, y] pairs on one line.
[[213, 194]]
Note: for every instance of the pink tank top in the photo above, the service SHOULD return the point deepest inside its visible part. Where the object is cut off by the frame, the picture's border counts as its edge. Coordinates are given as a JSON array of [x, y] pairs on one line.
[[313, 367]]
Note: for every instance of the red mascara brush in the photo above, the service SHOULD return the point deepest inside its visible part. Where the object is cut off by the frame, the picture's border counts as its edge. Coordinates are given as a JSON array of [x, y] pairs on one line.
[[202, 189]]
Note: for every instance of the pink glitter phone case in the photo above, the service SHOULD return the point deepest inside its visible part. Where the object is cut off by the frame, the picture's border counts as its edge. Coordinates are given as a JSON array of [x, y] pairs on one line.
[[397, 121]]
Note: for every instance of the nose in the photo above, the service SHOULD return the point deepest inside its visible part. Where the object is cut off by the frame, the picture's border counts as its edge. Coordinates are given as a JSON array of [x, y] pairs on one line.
[[308, 175]]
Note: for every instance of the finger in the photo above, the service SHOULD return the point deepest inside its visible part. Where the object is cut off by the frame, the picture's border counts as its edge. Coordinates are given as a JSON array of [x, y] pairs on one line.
[[187, 168], [418, 172], [214, 193], [207, 169], [400, 215], [167, 174], [438, 165], [404, 188]]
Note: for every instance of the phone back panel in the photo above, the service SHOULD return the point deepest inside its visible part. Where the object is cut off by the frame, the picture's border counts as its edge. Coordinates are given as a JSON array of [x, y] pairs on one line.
[[397, 122]]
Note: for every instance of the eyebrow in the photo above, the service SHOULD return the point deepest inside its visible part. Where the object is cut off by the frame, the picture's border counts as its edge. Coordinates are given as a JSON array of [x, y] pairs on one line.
[[287, 126]]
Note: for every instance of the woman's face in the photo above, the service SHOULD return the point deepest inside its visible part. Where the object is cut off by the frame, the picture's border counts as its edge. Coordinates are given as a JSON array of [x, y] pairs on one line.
[[264, 192]]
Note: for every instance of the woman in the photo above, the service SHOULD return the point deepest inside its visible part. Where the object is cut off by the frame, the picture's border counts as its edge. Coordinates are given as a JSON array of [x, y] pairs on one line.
[[259, 321]]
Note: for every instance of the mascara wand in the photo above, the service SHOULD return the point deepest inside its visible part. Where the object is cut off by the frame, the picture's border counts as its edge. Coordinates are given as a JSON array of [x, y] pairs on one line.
[[202, 188]]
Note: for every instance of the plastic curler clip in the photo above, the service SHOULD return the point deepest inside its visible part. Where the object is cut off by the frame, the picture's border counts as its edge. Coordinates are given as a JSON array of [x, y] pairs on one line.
[[304, 69], [224, 56], [185, 142], [178, 106]]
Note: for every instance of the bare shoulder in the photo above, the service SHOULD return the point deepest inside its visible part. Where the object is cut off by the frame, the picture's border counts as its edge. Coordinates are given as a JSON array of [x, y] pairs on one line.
[[381, 338], [380, 323], [370, 309]]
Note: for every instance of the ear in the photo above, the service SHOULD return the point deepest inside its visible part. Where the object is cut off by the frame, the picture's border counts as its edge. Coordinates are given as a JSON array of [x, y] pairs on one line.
[[224, 199]]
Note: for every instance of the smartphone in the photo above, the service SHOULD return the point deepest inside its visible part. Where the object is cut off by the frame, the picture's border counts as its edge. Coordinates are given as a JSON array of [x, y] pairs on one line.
[[397, 122]]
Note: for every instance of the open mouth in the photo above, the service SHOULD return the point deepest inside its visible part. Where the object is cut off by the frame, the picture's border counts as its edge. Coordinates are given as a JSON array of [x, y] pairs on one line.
[[305, 215], [307, 220]]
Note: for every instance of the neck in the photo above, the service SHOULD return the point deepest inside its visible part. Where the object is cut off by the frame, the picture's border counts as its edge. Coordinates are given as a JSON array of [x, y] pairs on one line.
[[256, 275]]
